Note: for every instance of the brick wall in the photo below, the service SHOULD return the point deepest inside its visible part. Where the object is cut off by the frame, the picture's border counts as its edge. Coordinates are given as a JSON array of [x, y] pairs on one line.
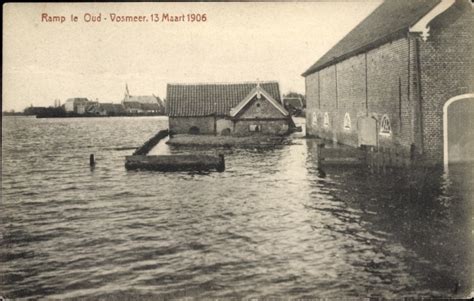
[[181, 125], [327, 94], [351, 95], [224, 124], [268, 127], [260, 108], [261, 112], [312, 103], [369, 84], [388, 92], [446, 71]]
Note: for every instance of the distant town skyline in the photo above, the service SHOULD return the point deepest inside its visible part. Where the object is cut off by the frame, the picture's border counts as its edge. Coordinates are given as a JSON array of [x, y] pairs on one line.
[[45, 60]]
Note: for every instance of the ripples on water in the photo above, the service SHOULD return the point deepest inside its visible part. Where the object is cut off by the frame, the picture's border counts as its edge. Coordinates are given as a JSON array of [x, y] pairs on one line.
[[271, 225]]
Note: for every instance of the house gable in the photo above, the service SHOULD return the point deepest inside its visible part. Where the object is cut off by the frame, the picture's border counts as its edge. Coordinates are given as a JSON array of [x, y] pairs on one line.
[[260, 109], [258, 103]]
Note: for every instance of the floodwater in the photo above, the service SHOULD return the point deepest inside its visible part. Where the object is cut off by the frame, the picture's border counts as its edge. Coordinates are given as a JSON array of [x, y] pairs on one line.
[[271, 225]]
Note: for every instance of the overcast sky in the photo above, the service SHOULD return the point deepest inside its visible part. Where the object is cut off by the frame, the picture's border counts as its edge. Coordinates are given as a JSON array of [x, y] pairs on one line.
[[44, 61]]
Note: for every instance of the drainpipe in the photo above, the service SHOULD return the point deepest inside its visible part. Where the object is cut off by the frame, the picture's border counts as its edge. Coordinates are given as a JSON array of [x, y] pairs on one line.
[[419, 95], [366, 88], [319, 90], [422, 26], [215, 123]]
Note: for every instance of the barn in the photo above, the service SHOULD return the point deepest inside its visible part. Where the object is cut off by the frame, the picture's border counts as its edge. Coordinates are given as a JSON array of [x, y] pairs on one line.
[[402, 81], [240, 109]]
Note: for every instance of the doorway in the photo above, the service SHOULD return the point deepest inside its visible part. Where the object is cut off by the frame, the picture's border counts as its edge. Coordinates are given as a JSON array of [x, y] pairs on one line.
[[458, 129], [368, 131]]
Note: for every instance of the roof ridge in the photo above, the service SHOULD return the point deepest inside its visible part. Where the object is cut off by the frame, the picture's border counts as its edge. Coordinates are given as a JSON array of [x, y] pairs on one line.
[[224, 83], [377, 27]]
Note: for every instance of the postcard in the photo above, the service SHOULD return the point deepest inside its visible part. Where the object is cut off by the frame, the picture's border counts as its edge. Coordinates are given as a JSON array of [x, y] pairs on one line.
[[237, 150]]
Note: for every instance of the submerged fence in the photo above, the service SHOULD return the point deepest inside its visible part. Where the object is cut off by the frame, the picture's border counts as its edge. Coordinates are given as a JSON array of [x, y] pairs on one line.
[[376, 160]]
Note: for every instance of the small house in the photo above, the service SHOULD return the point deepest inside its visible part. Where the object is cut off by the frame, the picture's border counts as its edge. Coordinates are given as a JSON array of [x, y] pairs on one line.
[[227, 109]]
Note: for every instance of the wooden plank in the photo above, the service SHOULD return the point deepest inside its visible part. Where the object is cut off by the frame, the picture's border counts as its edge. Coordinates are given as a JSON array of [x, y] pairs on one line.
[[176, 162], [150, 143]]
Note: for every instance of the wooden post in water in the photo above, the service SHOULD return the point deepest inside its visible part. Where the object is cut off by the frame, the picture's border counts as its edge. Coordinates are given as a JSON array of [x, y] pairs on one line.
[[91, 160], [221, 166], [371, 156], [384, 160], [389, 161], [320, 158], [377, 161]]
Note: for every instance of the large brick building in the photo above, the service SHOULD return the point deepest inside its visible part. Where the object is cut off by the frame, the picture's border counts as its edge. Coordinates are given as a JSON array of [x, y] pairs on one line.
[[225, 109], [401, 80]]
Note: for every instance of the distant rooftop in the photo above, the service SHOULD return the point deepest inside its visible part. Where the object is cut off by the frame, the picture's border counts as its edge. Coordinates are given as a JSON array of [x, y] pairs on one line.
[[82, 99], [143, 98]]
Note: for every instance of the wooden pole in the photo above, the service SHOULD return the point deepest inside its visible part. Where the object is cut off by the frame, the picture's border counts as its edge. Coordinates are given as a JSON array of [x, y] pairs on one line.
[[221, 166]]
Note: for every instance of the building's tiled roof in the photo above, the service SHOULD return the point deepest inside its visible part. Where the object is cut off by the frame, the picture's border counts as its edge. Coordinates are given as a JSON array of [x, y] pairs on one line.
[[208, 99], [391, 19]]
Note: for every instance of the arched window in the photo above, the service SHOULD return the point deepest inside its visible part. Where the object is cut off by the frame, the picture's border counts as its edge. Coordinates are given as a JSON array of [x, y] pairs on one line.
[[194, 130], [326, 120], [385, 127], [347, 121], [225, 132]]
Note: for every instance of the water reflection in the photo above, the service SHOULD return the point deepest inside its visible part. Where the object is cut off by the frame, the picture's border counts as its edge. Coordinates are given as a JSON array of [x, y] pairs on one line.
[[421, 216], [271, 225]]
